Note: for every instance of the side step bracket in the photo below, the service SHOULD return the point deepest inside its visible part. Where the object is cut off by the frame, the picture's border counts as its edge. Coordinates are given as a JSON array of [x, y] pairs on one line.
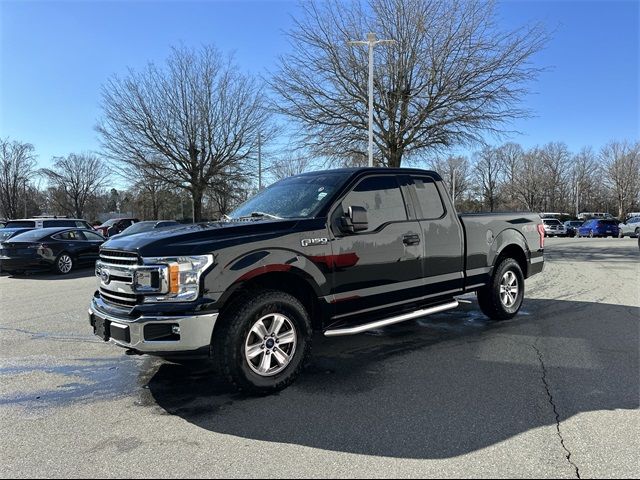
[[339, 332]]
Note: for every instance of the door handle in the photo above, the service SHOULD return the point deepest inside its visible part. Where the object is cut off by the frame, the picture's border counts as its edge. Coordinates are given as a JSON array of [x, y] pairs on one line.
[[411, 239]]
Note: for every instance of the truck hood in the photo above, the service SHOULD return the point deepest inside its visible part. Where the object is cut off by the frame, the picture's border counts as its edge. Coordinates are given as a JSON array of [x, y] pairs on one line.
[[198, 239]]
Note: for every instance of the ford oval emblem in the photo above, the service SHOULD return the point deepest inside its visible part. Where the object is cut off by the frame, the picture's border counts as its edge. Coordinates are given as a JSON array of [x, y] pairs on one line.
[[105, 277]]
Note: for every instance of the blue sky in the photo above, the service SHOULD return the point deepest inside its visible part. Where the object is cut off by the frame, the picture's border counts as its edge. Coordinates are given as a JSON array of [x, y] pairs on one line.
[[54, 56]]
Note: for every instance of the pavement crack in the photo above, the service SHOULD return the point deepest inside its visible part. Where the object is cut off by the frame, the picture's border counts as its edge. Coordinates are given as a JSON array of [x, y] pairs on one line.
[[555, 410]]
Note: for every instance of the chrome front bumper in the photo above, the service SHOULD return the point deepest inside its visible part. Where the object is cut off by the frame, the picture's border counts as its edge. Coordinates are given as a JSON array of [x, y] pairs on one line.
[[195, 331]]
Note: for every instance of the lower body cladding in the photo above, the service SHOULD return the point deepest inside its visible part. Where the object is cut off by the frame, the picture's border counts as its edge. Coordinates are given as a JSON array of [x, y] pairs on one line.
[[163, 336]]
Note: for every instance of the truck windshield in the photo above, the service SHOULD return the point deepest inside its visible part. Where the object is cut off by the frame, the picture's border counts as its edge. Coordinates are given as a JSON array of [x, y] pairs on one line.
[[296, 197]]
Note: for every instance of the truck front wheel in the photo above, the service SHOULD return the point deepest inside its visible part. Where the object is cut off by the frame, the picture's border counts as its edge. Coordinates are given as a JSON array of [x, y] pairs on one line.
[[262, 341], [502, 298]]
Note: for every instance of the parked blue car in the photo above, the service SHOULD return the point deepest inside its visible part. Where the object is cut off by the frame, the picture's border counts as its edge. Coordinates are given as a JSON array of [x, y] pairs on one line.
[[599, 228]]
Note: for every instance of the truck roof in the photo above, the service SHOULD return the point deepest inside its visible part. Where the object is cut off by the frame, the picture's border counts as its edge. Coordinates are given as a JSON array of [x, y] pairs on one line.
[[353, 171]]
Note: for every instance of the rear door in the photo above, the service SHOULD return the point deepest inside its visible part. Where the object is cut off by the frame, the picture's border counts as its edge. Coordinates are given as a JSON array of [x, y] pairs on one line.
[[443, 254], [382, 266]]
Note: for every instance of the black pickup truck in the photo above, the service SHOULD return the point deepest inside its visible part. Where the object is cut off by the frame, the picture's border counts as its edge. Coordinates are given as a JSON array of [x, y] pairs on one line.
[[338, 251]]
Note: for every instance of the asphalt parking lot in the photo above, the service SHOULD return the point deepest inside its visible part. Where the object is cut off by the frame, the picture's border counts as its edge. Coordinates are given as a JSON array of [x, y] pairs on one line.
[[552, 393]]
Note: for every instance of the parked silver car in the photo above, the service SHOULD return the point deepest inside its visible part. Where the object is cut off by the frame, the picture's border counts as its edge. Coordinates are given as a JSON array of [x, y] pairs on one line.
[[630, 229], [554, 227]]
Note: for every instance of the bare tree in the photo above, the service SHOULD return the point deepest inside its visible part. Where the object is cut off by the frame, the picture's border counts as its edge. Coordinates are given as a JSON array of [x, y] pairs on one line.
[[621, 165], [74, 179], [489, 172], [456, 173], [584, 171], [554, 179], [452, 76], [191, 122], [289, 164], [17, 164]]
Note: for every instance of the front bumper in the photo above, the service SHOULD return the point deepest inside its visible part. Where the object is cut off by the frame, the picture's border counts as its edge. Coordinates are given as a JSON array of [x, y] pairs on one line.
[[141, 334]]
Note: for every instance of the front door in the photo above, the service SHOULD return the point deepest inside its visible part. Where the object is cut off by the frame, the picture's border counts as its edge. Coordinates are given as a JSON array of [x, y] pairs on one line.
[[381, 266]]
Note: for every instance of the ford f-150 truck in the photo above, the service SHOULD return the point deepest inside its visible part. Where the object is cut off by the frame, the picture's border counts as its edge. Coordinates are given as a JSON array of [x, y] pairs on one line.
[[339, 251]]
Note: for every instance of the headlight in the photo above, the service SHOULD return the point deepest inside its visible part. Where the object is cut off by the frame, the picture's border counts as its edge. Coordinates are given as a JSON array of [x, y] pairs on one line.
[[181, 277]]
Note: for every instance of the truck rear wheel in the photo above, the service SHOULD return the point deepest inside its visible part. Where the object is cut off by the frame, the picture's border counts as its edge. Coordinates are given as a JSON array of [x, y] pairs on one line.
[[502, 298], [263, 341]]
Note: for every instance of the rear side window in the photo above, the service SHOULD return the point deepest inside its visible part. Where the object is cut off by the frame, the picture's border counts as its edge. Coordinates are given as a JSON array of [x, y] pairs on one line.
[[381, 197], [58, 223], [93, 236], [429, 198], [70, 235], [21, 224]]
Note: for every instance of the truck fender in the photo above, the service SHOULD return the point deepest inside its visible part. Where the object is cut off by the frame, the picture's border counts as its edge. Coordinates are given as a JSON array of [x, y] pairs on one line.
[[508, 239], [252, 265]]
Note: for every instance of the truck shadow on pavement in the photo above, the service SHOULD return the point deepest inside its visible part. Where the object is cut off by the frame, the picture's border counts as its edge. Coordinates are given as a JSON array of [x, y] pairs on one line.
[[78, 272], [435, 388]]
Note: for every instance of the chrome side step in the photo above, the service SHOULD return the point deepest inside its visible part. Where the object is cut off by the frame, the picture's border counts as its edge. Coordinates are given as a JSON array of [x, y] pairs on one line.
[[339, 332]]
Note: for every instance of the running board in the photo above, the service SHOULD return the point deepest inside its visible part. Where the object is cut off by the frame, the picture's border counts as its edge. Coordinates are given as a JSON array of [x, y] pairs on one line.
[[339, 332]]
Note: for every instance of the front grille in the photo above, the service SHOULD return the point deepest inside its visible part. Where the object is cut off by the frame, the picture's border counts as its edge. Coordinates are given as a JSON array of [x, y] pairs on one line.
[[120, 299], [115, 257]]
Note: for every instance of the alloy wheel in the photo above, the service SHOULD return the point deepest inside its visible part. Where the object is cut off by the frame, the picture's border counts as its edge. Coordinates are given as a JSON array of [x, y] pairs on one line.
[[509, 289], [65, 263], [270, 345]]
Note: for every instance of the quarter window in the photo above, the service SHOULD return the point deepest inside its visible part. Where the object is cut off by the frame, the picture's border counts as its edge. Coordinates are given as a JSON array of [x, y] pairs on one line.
[[382, 199], [429, 198], [93, 236]]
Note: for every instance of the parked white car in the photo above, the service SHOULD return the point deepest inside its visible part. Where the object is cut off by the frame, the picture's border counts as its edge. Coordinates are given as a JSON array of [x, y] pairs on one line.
[[631, 228], [554, 227]]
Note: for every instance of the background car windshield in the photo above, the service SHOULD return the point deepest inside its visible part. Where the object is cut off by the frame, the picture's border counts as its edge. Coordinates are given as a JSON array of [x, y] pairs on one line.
[[139, 227], [552, 222], [608, 222], [296, 197]]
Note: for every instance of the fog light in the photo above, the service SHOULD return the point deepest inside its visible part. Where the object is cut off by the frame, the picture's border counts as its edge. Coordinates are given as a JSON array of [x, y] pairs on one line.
[[175, 329]]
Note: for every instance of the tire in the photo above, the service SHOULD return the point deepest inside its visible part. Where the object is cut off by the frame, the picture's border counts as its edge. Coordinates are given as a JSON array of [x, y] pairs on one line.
[[637, 232], [494, 302], [237, 332], [64, 264]]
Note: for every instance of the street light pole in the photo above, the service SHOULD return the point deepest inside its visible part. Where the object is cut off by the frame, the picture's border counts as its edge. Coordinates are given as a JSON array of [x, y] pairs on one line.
[[259, 162], [370, 42]]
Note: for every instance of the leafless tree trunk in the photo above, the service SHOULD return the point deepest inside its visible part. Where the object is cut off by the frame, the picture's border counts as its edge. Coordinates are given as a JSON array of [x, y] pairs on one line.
[[489, 173], [621, 165], [456, 174], [452, 75], [190, 123], [17, 164], [76, 178], [584, 172], [555, 159]]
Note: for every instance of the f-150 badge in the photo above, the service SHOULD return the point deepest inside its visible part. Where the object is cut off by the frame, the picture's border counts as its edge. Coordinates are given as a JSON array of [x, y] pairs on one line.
[[309, 242]]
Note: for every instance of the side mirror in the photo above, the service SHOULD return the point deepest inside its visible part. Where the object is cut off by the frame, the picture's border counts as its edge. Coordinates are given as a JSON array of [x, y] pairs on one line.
[[354, 220]]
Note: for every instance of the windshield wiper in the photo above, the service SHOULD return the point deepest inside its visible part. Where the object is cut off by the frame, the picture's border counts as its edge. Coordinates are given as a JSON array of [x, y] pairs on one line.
[[260, 215]]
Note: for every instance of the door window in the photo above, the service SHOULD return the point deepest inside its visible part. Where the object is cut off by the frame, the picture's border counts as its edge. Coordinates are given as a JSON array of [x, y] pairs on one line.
[[70, 235], [382, 198], [429, 198]]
